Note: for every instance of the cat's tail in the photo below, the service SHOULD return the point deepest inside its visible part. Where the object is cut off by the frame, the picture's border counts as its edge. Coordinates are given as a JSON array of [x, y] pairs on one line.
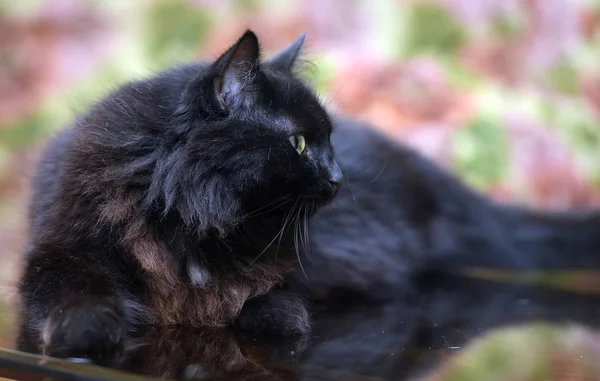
[[558, 240], [529, 240]]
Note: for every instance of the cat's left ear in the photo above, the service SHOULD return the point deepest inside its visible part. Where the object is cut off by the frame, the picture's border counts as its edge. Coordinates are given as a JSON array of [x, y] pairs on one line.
[[285, 59], [237, 69]]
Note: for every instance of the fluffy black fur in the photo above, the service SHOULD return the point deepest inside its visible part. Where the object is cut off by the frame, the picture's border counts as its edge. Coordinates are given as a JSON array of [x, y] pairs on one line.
[[174, 201]]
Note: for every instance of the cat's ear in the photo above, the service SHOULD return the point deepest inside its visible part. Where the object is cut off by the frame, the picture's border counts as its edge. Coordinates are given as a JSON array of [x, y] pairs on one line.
[[285, 59], [236, 69]]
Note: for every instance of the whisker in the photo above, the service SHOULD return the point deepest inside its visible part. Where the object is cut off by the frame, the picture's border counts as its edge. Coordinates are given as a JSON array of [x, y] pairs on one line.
[[348, 182], [279, 234], [284, 225], [266, 248], [255, 214], [279, 200], [296, 243], [305, 233], [380, 172]]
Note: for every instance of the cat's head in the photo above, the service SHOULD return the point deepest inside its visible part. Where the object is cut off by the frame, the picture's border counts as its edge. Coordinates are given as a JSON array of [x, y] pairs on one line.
[[257, 140]]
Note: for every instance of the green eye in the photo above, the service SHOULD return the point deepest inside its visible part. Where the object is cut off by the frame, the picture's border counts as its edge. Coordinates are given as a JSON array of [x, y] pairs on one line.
[[298, 142]]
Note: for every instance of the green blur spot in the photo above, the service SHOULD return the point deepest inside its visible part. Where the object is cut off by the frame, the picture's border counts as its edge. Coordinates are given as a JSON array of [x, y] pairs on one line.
[[481, 152], [432, 30]]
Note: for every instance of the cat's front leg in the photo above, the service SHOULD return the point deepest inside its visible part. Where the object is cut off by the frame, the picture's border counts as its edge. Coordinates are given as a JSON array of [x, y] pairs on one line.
[[278, 312], [86, 327], [71, 307]]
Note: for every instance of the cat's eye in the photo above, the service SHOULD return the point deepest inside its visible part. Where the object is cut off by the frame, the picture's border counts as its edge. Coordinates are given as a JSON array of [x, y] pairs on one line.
[[298, 142]]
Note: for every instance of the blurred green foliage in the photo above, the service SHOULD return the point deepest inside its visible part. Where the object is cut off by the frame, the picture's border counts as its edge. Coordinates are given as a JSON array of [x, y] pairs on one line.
[[528, 353], [174, 31], [431, 29], [481, 152]]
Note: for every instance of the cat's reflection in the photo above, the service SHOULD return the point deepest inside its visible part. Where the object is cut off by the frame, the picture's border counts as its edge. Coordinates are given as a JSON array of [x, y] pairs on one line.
[[403, 340], [187, 353], [398, 340]]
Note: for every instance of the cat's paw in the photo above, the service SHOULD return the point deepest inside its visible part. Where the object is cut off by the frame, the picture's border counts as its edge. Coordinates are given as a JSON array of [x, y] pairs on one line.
[[276, 313], [92, 329]]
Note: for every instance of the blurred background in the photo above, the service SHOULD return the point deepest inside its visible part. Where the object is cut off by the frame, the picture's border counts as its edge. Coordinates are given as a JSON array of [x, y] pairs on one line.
[[506, 94]]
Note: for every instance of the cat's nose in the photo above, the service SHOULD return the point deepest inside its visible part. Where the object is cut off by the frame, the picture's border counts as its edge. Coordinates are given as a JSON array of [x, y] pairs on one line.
[[336, 182], [336, 177]]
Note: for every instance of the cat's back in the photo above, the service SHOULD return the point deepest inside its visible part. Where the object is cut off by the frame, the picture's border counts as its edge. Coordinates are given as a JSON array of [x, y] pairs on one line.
[[119, 129], [45, 184]]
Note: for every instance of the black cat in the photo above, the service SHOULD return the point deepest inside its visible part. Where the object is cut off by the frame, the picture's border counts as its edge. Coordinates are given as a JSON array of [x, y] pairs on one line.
[[180, 199]]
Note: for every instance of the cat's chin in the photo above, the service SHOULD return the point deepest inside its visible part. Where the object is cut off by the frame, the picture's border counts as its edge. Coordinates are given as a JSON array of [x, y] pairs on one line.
[[324, 196], [313, 203]]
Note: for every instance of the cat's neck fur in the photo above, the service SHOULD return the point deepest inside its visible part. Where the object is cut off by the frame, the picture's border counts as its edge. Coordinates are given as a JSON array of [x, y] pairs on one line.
[[184, 285]]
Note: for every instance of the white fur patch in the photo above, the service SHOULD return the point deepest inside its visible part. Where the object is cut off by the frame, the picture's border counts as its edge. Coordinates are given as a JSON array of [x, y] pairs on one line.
[[199, 276]]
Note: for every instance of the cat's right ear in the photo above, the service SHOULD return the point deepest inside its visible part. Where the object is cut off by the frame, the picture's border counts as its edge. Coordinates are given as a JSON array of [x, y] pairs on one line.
[[285, 59], [236, 70]]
